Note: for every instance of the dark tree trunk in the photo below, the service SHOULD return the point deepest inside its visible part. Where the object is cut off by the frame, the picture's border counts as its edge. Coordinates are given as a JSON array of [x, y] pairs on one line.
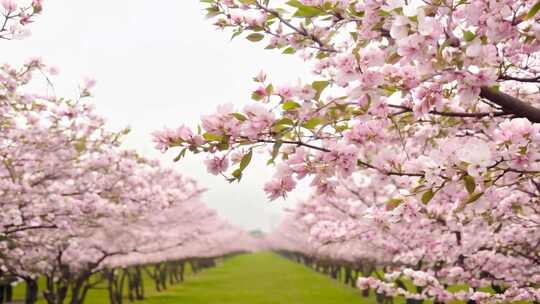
[[77, 291], [9, 293], [116, 286], [154, 275], [139, 283], [110, 287], [348, 276], [173, 273], [162, 273], [55, 292], [194, 266], [131, 285], [31, 291], [182, 270], [365, 293]]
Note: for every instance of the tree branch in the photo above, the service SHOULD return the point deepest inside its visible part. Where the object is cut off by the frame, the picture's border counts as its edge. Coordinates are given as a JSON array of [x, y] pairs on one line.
[[520, 79], [298, 143], [359, 162], [302, 31], [511, 104], [450, 114]]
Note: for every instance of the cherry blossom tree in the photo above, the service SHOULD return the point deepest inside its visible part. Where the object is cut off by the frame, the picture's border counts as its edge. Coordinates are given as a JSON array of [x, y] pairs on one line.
[[75, 204], [73, 199], [360, 223], [436, 102], [16, 17]]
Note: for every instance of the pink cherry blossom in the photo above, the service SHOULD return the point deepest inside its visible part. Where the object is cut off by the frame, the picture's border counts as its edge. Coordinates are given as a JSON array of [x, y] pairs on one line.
[[217, 165], [418, 134], [9, 5]]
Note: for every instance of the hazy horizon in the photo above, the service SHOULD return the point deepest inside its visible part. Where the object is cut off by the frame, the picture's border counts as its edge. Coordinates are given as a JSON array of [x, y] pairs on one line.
[[161, 67]]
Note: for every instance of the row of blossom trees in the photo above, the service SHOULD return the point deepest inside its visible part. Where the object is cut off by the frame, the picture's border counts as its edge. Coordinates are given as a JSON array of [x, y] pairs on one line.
[[418, 131], [78, 209], [353, 230]]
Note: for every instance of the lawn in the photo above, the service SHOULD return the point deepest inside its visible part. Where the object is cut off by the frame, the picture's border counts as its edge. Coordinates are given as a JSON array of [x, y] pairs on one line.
[[261, 278]]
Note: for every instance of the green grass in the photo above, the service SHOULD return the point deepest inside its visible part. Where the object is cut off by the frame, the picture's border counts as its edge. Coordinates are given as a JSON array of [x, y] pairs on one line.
[[261, 278]]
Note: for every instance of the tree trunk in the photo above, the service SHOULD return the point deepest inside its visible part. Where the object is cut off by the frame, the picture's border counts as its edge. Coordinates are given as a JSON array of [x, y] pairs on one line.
[[348, 276], [163, 276], [194, 265], [365, 293], [115, 286], [76, 291], [182, 270], [2, 293], [131, 285], [31, 291], [55, 292], [139, 283], [172, 273]]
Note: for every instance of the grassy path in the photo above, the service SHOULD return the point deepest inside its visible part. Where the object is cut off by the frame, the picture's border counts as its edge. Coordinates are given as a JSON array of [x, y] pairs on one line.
[[262, 278]]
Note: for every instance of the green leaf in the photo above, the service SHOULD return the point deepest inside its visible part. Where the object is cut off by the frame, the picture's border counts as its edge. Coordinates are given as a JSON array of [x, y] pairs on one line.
[[180, 155], [360, 14], [319, 87], [237, 174], [341, 128], [289, 51], [321, 55], [290, 105], [80, 146], [427, 196], [212, 137], [469, 36], [212, 12], [313, 122], [239, 116], [275, 151], [280, 128], [496, 87], [246, 159], [269, 89], [235, 34], [281, 125], [256, 96], [295, 3], [283, 121], [393, 58], [224, 143], [247, 1], [393, 203], [254, 37], [304, 10], [470, 183], [534, 9], [474, 197], [307, 12]]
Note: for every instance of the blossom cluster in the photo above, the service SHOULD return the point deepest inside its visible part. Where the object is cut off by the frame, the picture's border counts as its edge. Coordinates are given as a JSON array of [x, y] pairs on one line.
[[418, 132], [74, 202]]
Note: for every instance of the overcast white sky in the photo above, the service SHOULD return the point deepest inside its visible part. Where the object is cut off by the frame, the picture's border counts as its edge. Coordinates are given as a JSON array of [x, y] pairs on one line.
[[160, 63]]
